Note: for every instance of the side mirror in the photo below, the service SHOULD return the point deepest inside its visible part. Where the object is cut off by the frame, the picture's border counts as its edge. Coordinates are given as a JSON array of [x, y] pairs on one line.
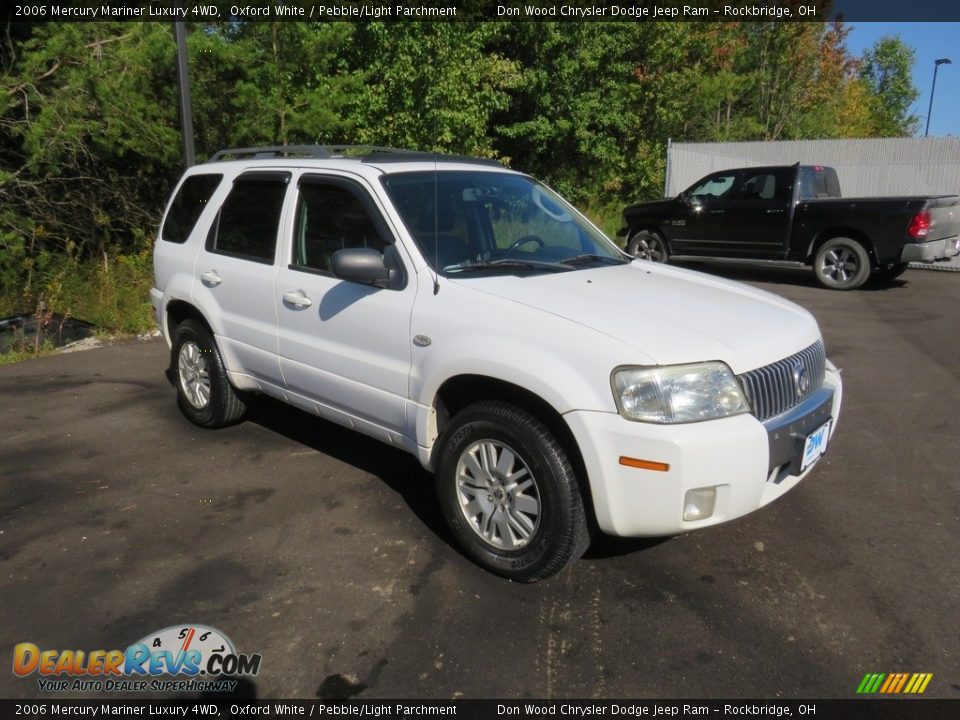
[[365, 266]]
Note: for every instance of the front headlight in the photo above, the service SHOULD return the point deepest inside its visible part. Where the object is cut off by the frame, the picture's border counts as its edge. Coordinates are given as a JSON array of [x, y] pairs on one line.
[[677, 393]]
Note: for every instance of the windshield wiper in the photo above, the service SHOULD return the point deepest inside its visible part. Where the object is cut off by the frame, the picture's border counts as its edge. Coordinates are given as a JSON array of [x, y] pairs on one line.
[[506, 263], [577, 259]]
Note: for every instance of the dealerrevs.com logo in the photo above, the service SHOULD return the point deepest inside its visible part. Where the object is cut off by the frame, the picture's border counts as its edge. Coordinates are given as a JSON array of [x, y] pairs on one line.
[[195, 656]]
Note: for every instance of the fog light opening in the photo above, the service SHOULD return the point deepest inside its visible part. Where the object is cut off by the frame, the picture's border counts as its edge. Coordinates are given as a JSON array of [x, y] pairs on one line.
[[698, 504]]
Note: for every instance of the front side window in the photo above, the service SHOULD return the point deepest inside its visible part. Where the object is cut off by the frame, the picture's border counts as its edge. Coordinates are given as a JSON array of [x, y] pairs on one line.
[[250, 217], [191, 199], [478, 220], [330, 217], [713, 189]]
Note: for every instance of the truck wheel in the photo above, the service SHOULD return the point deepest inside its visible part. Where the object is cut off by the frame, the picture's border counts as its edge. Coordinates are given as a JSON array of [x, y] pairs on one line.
[[204, 392], [509, 493], [841, 264], [647, 245]]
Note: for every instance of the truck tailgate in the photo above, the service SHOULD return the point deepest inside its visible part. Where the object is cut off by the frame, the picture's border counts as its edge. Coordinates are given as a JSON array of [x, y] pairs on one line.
[[944, 216]]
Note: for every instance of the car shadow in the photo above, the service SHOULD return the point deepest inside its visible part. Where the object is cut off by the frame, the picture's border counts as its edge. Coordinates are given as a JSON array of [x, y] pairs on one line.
[[798, 277], [398, 470]]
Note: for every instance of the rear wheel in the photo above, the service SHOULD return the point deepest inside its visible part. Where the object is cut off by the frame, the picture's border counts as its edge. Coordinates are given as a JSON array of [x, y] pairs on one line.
[[204, 392], [841, 264], [509, 493], [647, 245]]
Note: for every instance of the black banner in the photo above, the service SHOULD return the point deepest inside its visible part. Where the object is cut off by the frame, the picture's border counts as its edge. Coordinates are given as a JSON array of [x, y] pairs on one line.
[[485, 10], [867, 709]]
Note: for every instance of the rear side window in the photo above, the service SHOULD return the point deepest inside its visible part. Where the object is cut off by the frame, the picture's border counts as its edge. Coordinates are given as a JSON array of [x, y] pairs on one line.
[[191, 199], [765, 185], [248, 221]]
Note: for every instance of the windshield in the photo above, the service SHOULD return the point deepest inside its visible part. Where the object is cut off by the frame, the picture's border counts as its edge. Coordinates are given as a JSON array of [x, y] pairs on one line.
[[476, 221]]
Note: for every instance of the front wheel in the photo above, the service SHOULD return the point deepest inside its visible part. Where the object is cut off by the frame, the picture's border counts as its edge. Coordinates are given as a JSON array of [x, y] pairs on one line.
[[204, 392], [647, 245], [841, 264], [509, 494]]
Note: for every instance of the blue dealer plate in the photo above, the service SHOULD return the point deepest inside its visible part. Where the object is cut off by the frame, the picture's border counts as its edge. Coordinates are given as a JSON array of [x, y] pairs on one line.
[[815, 445]]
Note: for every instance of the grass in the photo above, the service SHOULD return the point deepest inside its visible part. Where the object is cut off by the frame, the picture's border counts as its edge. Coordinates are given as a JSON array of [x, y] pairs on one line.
[[111, 293]]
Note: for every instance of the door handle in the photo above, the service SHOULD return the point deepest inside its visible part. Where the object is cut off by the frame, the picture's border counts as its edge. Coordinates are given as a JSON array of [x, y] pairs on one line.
[[297, 298], [774, 212], [210, 278]]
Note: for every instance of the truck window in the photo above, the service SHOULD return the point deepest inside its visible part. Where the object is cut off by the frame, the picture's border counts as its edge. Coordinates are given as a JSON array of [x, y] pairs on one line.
[[713, 188], [764, 185], [818, 181]]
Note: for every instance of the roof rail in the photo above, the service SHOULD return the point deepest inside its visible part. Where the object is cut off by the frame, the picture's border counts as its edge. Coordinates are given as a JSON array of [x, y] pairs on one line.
[[308, 151], [364, 153], [386, 156]]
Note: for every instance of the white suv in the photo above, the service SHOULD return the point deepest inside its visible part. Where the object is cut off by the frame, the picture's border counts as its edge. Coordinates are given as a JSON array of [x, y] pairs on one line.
[[467, 314]]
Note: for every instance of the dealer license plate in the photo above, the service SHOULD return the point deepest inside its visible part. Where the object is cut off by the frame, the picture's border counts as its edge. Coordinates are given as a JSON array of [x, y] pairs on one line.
[[815, 445]]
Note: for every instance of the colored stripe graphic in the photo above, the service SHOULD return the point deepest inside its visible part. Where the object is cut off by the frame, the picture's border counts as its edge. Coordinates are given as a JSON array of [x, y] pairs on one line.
[[894, 683]]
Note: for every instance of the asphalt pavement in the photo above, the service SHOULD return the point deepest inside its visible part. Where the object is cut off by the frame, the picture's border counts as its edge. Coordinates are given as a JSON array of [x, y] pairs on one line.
[[324, 551]]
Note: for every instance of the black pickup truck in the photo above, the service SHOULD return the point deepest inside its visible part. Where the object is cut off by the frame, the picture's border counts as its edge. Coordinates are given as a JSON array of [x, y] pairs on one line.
[[794, 216]]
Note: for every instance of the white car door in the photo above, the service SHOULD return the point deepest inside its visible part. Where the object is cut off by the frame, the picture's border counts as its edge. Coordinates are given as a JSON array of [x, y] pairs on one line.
[[344, 345], [236, 273]]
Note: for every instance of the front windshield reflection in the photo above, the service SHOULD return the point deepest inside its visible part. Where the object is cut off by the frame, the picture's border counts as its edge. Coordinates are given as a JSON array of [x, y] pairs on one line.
[[471, 221]]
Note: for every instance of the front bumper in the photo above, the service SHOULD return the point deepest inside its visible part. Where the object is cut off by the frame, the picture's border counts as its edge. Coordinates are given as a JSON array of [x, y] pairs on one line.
[[739, 457], [932, 251]]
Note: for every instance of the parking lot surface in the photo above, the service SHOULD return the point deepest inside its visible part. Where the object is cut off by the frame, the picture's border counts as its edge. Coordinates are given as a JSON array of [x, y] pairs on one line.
[[324, 551]]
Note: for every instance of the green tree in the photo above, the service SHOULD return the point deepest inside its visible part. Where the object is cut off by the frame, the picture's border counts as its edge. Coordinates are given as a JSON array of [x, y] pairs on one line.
[[272, 83], [887, 70], [89, 125], [430, 86]]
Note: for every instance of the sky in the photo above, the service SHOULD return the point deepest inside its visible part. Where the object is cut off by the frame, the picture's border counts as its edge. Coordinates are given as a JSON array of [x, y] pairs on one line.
[[929, 42]]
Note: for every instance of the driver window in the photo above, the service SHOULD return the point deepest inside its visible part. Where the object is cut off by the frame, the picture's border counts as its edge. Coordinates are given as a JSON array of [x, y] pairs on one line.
[[329, 218], [714, 188]]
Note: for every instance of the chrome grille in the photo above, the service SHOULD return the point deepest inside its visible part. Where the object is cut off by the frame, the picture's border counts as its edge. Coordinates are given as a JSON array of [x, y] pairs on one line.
[[773, 389]]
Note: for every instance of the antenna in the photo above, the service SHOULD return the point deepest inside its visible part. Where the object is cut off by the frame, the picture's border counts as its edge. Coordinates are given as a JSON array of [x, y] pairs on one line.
[[436, 228]]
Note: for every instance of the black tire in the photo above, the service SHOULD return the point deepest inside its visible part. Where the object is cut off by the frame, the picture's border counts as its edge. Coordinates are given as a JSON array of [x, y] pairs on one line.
[[841, 264], [891, 272], [196, 364], [534, 547], [648, 245]]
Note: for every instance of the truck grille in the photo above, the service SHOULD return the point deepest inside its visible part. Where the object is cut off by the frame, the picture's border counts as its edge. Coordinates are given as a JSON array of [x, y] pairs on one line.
[[777, 387]]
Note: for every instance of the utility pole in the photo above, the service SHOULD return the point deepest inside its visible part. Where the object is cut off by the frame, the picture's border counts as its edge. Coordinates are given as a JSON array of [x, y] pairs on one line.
[[186, 107]]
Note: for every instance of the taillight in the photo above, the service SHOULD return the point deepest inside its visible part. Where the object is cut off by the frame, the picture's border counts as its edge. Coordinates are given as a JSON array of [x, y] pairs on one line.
[[920, 225]]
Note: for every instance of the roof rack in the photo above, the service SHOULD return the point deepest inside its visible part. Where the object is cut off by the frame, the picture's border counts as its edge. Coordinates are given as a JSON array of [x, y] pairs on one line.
[[309, 151], [364, 153], [416, 156]]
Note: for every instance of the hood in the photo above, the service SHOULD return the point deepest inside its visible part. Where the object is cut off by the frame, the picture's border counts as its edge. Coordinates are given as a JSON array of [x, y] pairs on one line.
[[666, 315], [648, 209]]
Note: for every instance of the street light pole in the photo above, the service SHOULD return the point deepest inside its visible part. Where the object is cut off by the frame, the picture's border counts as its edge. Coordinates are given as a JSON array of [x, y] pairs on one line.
[[936, 66]]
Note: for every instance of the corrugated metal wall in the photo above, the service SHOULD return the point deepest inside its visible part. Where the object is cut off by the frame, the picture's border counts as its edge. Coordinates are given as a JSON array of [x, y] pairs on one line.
[[886, 167]]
